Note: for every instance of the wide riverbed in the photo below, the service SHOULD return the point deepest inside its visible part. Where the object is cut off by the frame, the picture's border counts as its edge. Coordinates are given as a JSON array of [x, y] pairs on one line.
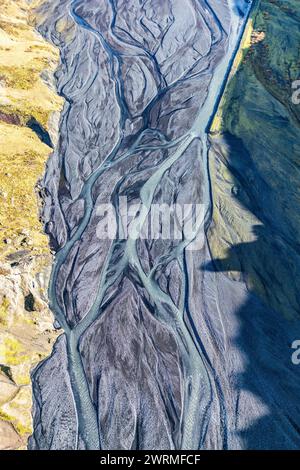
[[139, 361]]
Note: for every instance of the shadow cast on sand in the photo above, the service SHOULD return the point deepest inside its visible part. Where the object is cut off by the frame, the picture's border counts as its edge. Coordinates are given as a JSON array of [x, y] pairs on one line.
[[266, 331]]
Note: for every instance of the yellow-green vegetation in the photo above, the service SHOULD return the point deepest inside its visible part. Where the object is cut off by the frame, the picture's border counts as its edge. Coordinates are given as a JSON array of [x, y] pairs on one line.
[[4, 305], [22, 160], [12, 351], [10, 28], [26, 336], [22, 429], [23, 96], [250, 36], [255, 164], [18, 77], [17, 413]]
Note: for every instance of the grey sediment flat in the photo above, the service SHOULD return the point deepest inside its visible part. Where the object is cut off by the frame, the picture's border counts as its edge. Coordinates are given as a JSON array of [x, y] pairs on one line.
[[147, 358]]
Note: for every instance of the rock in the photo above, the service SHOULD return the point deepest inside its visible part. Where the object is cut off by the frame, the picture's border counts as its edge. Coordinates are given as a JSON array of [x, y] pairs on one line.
[[6, 371], [26, 242], [57, 325], [29, 302], [48, 78], [257, 36], [8, 389], [14, 265], [235, 190], [53, 124], [10, 119], [26, 232], [9, 438], [18, 255], [24, 255]]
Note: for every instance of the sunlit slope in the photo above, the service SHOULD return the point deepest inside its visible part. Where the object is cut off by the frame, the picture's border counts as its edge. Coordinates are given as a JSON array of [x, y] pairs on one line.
[[255, 161], [29, 111], [24, 98]]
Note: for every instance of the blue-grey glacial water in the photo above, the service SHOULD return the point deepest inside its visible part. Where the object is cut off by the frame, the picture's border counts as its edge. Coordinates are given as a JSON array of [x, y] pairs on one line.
[[146, 358]]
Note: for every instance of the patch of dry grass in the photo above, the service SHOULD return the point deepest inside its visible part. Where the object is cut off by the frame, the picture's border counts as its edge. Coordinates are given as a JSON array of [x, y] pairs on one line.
[[24, 338], [23, 95]]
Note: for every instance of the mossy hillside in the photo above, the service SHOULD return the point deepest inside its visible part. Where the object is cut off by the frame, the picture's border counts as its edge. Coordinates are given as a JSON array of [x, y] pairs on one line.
[[22, 158], [23, 95], [26, 331], [245, 44], [259, 154], [259, 109]]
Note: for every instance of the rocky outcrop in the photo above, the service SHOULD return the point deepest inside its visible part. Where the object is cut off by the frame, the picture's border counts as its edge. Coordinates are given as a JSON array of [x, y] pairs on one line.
[[9, 437], [28, 113]]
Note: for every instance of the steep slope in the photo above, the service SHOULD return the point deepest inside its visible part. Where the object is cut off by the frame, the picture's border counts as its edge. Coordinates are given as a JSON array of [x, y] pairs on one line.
[[255, 163], [28, 112], [254, 236], [163, 346]]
